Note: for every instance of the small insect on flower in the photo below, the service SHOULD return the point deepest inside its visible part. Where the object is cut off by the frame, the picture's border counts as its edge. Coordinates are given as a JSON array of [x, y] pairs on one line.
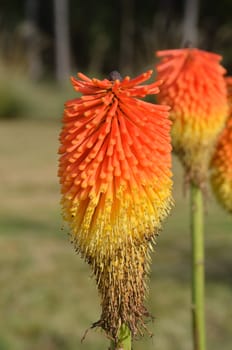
[[116, 184], [221, 164], [195, 89]]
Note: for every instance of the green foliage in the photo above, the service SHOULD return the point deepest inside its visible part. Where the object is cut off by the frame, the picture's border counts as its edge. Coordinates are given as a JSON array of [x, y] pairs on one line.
[[22, 98], [3, 344], [11, 105]]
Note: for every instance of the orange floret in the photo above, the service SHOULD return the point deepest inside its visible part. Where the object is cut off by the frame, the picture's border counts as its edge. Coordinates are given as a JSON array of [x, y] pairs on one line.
[[116, 187], [221, 164], [194, 87]]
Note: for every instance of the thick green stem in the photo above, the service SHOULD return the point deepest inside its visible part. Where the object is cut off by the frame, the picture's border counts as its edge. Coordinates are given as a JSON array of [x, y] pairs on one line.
[[198, 270], [124, 339]]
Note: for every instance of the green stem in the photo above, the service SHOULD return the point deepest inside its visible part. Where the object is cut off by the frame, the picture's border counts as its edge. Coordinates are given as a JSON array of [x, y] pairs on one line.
[[124, 339], [198, 273]]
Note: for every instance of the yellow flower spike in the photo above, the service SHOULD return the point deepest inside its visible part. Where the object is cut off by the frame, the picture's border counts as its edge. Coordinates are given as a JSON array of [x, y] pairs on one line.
[[194, 87], [221, 164], [116, 188]]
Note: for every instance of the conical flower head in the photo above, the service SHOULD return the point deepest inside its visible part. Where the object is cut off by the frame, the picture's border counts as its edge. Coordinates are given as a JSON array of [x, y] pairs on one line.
[[221, 164], [116, 187], [194, 87]]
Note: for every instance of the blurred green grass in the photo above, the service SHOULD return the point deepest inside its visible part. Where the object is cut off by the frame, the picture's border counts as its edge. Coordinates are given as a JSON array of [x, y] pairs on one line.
[[47, 296], [22, 98]]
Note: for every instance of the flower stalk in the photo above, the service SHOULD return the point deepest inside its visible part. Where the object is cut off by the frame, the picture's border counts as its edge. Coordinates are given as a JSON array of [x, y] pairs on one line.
[[198, 268], [124, 339]]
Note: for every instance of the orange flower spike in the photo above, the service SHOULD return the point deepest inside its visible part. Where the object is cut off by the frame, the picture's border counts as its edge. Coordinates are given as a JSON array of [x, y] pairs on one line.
[[195, 89], [221, 164], [116, 184]]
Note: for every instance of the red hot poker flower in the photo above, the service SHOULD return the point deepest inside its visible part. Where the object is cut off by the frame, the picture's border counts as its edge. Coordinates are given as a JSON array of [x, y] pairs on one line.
[[221, 164], [116, 187], [195, 89]]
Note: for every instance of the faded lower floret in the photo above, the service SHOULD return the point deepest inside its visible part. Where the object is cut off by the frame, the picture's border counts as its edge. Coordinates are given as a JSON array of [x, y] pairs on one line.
[[194, 141], [121, 280], [117, 248], [195, 162], [119, 254]]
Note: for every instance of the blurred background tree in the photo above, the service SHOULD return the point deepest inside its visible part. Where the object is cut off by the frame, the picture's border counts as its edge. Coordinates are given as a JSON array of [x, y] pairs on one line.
[[49, 37], [62, 45]]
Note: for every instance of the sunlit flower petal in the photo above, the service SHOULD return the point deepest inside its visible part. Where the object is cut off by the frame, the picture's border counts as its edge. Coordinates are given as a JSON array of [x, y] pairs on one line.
[[116, 187]]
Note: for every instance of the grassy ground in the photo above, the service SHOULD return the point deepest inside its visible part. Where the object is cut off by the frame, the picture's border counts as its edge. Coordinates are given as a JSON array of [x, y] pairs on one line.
[[47, 297]]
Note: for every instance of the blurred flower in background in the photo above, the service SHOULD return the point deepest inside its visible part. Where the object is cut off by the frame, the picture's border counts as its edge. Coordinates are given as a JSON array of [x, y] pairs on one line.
[[195, 89], [221, 164]]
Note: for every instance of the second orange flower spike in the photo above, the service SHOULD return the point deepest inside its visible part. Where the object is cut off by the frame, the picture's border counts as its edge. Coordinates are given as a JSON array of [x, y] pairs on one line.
[[195, 89]]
